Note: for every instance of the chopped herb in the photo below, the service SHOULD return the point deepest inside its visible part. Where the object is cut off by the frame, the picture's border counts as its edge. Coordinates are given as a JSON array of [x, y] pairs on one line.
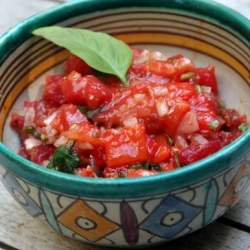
[[243, 127], [121, 175], [32, 131], [198, 88], [64, 160], [83, 109], [214, 124], [187, 76]]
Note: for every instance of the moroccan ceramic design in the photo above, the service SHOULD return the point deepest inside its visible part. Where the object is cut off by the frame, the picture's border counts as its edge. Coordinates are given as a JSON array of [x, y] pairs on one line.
[[140, 211]]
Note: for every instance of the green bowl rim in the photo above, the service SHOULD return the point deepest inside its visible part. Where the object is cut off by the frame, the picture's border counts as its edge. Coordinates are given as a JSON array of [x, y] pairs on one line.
[[122, 188]]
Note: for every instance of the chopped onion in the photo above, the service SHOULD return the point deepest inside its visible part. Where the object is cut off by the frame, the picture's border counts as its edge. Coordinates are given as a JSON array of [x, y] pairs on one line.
[[29, 116], [50, 118], [199, 139], [188, 123], [160, 91], [143, 57], [61, 141], [158, 56], [31, 142], [180, 141], [162, 108], [206, 89], [130, 121]]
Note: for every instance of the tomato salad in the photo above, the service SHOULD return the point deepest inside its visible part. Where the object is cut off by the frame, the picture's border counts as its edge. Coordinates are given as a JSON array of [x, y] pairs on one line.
[[88, 123]]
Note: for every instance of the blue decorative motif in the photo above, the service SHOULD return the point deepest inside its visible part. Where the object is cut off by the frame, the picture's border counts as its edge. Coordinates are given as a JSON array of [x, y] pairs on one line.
[[48, 211], [20, 195], [171, 217], [210, 201]]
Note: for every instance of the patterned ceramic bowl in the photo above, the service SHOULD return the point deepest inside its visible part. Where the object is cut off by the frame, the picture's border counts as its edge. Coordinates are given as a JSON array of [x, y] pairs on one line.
[[140, 211]]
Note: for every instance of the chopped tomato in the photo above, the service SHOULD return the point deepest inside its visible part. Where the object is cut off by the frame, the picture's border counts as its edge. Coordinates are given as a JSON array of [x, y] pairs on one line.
[[52, 89], [197, 152], [85, 90], [67, 115], [206, 115], [168, 117], [158, 148], [206, 77], [74, 63], [126, 145]]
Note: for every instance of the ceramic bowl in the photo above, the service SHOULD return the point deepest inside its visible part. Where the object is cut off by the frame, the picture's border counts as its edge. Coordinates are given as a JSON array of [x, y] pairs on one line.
[[134, 212]]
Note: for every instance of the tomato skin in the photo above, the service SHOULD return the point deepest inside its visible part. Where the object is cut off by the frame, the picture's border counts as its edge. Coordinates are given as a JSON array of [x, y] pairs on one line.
[[85, 90], [74, 63], [206, 77], [196, 152], [125, 146], [52, 89]]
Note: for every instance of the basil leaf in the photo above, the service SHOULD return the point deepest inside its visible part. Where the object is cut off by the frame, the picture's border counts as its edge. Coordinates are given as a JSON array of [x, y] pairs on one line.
[[64, 160], [99, 50]]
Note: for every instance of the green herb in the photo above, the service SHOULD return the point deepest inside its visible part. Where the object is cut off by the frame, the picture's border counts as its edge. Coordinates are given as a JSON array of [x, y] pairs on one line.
[[214, 124], [187, 76], [198, 88], [243, 127], [83, 109], [32, 131], [99, 50], [64, 160], [121, 175]]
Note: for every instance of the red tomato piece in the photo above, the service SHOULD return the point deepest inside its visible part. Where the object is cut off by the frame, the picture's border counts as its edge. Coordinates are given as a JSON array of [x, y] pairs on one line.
[[42, 109], [84, 132], [206, 77], [162, 68], [68, 114], [85, 90], [182, 90], [196, 152], [232, 118], [177, 109], [206, 115], [17, 121], [125, 146], [41, 153], [52, 89], [158, 148], [74, 63]]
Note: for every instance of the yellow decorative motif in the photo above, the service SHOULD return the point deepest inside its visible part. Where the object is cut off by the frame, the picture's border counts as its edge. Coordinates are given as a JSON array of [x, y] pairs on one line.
[[85, 221]]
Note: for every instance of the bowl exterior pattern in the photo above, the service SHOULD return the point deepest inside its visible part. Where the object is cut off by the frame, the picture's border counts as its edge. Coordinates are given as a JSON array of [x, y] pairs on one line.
[[130, 222], [120, 216]]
